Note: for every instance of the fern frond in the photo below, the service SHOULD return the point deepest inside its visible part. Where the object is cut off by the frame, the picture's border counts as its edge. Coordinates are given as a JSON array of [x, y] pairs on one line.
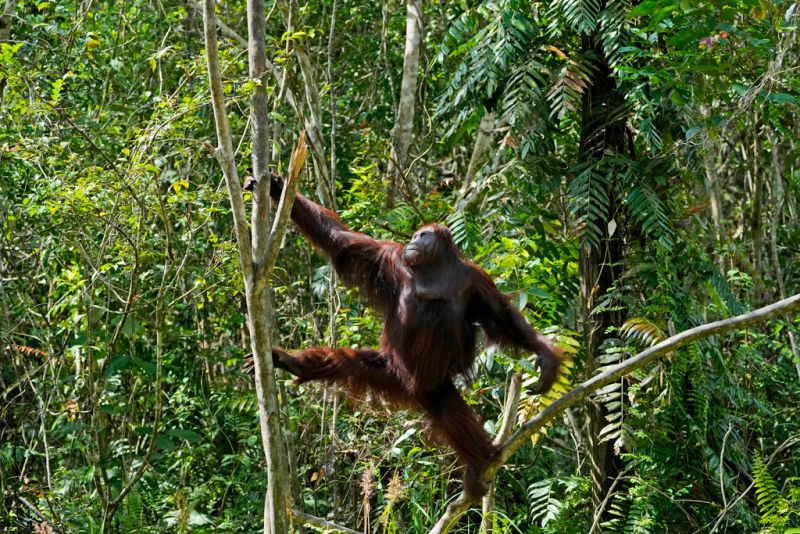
[[642, 516], [493, 50], [648, 211], [464, 232], [242, 404], [767, 493], [581, 15], [525, 87], [456, 41], [542, 502], [568, 86], [613, 30], [721, 289], [616, 513], [132, 515], [651, 135]]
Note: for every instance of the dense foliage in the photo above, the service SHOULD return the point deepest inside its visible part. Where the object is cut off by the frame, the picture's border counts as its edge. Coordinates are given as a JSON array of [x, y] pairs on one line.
[[652, 143]]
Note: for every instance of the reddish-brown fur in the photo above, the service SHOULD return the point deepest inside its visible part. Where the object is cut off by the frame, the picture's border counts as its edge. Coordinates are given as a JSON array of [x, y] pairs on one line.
[[431, 311]]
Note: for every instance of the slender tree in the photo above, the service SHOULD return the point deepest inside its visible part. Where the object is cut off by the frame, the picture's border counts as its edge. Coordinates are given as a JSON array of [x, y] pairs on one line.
[[258, 245]]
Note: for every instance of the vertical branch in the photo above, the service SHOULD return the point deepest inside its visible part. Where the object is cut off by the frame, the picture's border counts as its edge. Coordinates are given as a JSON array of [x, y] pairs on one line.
[[6, 16], [754, 228], [9, 8], [259, 304], [507, 424], [384, 51], [333, 308], [259, 128], [283, 90], [313, 120], [332, 98], [483, 140], [713, 183], [404, 120], [777, 208], [296, 165]]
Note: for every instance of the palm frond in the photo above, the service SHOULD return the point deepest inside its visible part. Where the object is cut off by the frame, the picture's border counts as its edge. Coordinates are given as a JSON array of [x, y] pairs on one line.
[[643, 331], [590, 202], [648, 211], [581, 15]]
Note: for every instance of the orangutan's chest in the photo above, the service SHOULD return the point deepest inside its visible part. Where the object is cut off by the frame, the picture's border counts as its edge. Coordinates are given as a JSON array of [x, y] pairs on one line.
[[428, 305]]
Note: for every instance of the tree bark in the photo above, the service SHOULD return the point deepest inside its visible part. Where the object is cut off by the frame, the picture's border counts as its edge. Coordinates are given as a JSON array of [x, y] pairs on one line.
[[404, 120], [713, 186], [755, 227], [332, 103], [260, 310], [777, 208], [9, 8]]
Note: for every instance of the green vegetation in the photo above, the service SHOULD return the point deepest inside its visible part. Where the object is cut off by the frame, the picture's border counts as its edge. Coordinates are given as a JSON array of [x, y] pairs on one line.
[[624, 170]]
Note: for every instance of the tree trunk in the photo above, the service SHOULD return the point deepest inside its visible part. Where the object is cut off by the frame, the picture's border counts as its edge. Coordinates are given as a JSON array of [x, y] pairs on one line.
[[404, 120], [257, 254], [260, 315], [9, 8], [713, 183], [777, 209], [602, 130]]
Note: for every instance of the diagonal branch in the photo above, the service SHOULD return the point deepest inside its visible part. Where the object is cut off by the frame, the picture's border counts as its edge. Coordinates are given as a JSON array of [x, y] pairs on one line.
[[296, 165], [457, 508], [322, 524]]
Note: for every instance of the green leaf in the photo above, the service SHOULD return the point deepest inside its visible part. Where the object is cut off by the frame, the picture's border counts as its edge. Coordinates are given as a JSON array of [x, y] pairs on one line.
[[739, 89], [118, 363], [781, 98], [694, 130], [183, 433], [163, 442], [644, 8]]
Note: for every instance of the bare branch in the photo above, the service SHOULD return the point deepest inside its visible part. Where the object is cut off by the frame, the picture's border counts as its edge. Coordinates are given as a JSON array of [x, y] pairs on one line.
[[224, 152], [281, 220], [318, 522], [457, 508]]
